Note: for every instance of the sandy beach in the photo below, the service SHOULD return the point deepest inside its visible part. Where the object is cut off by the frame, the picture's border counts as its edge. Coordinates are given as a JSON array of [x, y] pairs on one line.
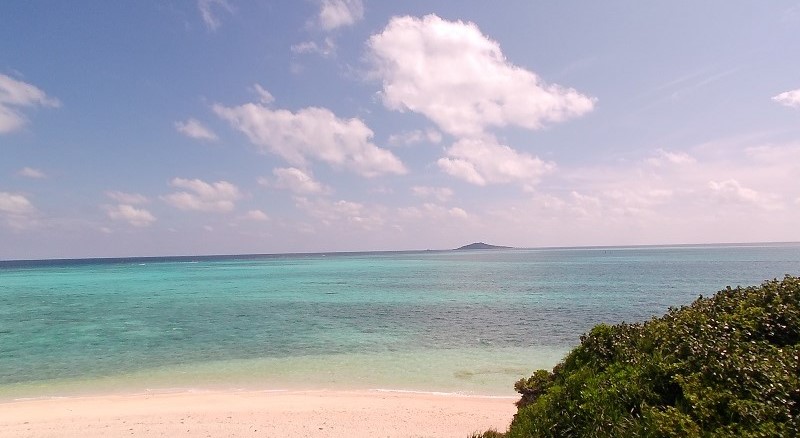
[[257, 413]]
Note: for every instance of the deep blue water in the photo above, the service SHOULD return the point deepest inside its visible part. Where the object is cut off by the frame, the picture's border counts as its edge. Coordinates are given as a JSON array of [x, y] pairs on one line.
[[467, 321]]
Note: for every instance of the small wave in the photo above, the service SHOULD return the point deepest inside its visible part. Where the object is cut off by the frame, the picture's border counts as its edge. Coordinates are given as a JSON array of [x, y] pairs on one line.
[[506, 371]]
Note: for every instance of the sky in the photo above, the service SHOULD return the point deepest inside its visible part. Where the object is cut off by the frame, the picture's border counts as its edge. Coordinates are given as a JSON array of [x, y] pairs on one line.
[[194, 127]]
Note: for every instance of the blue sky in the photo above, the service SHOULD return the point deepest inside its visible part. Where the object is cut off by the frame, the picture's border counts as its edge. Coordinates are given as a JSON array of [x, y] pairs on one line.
[[226, 126]]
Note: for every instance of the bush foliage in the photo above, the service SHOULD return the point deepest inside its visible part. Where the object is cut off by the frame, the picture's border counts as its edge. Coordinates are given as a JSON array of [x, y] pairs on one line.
[[728, 365]]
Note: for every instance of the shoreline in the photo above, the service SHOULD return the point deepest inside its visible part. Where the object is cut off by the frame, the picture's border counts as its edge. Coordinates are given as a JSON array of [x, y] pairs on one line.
[[330, 413], [488, 371]]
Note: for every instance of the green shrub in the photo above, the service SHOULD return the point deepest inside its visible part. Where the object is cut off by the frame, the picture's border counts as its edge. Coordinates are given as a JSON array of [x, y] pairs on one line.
[[724, 366]]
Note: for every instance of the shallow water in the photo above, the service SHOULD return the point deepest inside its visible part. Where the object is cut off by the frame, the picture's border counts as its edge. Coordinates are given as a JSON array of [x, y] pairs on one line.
[[452, 321]]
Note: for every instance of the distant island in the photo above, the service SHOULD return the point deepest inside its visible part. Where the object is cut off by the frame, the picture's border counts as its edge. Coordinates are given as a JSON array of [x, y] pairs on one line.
[[481, 245]]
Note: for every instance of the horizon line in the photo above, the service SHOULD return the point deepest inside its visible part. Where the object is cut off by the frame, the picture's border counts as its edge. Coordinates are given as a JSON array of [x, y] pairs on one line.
[[323, 253]]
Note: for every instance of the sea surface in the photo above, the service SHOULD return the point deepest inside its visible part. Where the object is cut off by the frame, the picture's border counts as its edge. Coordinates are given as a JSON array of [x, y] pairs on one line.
[[470, 322]]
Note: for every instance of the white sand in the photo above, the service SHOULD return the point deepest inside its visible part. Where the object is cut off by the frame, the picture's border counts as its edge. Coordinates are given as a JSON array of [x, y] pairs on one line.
[[257, 413]]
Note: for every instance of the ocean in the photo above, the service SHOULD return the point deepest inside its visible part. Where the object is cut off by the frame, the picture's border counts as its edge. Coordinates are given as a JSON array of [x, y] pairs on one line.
[[468, 322]]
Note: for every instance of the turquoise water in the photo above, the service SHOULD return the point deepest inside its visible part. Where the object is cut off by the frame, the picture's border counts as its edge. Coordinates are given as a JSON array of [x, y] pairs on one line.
[[452, 321]]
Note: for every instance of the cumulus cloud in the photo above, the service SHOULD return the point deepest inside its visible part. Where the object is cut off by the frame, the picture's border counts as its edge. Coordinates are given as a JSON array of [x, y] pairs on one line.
[[127, 198], [138, 217], [294, 180], [16, 210], [789, 98], [459, 78], [312, 133], [15, 95], [29, 172], [338, 13], [199, 195], [192, 128], [206, 7], [441, 194], [484, 161]]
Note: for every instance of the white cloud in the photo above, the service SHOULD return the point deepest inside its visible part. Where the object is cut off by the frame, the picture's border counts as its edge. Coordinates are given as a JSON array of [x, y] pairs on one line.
[[339, 13], [783, 159], [264, 96], [16, 209], [127, 198], [665, 157], [457, 77], [442, 194], [326, 48], [295, 180], [13, 204], [584, 205], [209, 18], [431, 212], [458, 213], [342, 212], [485, 162], [138, 217], [256, 215], [415, 136], [732, 191], [29, 172], [220, 196], [433, 136], [16, 94], [789, 98], [192, 128], [678, 187], [593, 203], [312, 133]]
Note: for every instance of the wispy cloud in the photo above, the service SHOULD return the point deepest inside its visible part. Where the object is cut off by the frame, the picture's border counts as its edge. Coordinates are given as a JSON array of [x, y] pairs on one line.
[[264, 96], [685, 85], [207, 8], [666, 157], [415, 136], [127, 198], [30, 172], [343, 213], [15, 95], [431, 212], [255, 215], [192, 128], [326, 48], [295, 180], [442, 194], [338, 13]]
